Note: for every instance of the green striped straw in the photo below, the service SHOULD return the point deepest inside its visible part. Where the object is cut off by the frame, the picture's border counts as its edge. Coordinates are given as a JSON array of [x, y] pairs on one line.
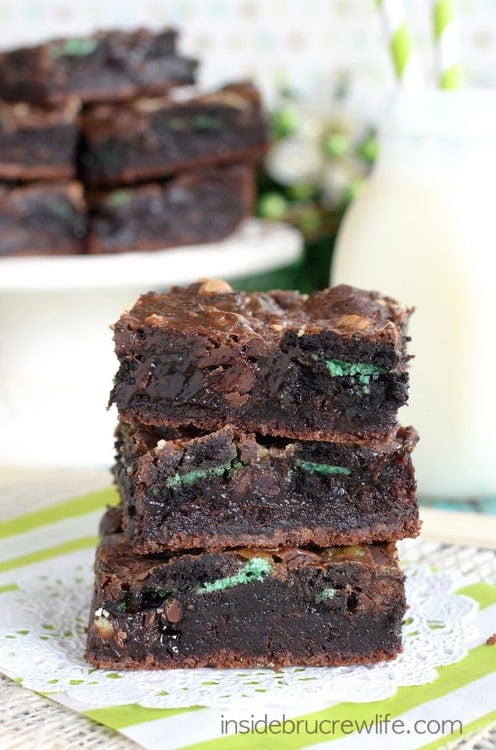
[[447, 48], [404, 60]]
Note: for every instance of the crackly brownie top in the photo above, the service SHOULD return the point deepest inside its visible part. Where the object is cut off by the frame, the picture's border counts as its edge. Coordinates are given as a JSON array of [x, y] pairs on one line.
[[115, 555], [43, 193], [146, 438], [21, 116], [163, 41], [117, 119], [210, 307]]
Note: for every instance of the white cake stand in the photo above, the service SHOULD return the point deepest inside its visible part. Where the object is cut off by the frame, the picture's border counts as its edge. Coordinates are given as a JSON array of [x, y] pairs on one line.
[[56, 349]]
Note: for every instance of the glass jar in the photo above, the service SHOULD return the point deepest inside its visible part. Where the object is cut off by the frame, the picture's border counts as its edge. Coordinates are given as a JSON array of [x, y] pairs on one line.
[[423, 230]]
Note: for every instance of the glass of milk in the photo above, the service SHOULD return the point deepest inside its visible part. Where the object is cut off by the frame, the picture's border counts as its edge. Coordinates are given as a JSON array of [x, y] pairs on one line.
[[423, 230]]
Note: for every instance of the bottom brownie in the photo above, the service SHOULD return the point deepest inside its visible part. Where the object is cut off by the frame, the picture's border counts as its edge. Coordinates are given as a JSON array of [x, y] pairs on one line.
[[43, 218], [245, 607], [192, 208]]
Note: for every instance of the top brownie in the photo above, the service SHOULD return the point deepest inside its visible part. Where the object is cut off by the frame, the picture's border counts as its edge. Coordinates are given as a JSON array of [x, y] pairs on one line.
[[328, 366], [107, 66]]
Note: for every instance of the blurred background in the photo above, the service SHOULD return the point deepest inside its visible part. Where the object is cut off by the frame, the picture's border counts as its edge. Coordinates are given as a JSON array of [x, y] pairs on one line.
[[326, 79], [323, 68], [277, 41]]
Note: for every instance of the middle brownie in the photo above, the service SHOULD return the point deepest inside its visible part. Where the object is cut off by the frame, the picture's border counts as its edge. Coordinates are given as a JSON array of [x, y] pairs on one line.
[[150, 139], [183, 490]]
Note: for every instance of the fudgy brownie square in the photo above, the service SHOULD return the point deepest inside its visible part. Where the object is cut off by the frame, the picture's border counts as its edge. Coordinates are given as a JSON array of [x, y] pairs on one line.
[[150, 139], [245, 607], [107, 66], [329, 366], [201, 206], [38, 144], [229, 489], [43, 218]]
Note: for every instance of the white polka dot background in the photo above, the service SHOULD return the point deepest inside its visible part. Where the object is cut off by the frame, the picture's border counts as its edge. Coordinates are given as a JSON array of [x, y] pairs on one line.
[[304, 43]]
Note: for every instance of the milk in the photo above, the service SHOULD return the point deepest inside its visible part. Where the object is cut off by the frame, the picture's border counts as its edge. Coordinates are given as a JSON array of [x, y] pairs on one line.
[[424, 230]]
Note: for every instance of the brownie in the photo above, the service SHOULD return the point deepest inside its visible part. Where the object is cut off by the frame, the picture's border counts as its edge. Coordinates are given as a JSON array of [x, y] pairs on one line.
[[111, 521], [37, 144], [43, 218], [151, 138], [245, 607], [107, 66], [226, 489], [191, 208], [329, 366]]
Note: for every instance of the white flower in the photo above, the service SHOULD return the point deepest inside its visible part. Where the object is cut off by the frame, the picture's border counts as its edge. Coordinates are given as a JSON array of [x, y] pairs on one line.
[[338, 179], [294, 159]]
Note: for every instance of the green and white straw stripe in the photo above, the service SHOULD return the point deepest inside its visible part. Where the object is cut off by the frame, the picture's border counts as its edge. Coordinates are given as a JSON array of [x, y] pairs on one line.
[[405, 63], [447, 46]]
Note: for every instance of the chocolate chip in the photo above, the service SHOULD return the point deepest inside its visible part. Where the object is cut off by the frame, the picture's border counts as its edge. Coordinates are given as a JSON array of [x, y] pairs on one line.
[[149, 619], [174, 611]]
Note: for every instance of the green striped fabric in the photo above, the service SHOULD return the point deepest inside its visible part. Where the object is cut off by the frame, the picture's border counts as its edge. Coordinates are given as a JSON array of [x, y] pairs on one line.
[[464, 692], [452, 678], [76, 507]]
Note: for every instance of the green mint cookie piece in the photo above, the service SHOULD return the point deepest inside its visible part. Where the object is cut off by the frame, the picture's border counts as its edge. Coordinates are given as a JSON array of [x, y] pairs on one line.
[[364, 372], [327, 469], [207, 122], [119, 198], [77, 47], [255, 569], [325, 595], [190, 477]]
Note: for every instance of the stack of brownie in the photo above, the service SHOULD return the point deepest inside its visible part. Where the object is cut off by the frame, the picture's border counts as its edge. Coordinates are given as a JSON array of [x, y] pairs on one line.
[[105, 149], [263, 481], [42, 207]]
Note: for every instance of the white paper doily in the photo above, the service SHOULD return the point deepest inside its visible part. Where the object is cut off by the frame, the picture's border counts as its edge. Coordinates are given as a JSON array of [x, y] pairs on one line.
[[42, 637]]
